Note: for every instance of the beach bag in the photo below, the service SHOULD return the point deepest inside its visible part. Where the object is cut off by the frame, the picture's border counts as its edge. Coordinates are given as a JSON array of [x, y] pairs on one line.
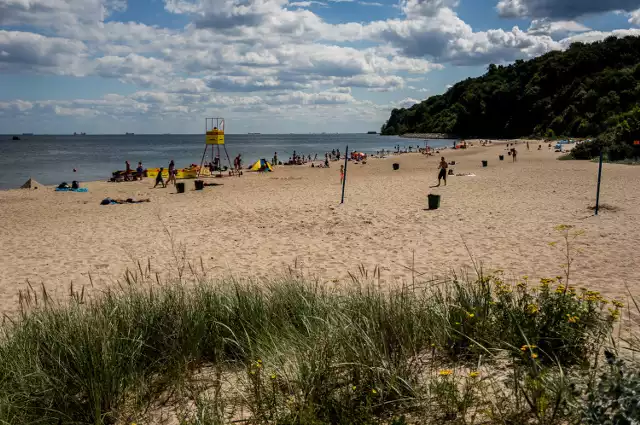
[[75, 184], [63, 185]]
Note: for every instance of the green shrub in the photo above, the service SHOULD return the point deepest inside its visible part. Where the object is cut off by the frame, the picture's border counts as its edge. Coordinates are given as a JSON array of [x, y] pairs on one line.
[[617, 397]]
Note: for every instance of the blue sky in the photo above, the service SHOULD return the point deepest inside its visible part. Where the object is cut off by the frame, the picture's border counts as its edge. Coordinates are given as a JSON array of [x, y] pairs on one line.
[[158, 66]]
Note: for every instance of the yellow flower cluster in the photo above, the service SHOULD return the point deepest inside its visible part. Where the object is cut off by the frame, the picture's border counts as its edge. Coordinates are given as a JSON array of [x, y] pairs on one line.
[[614, 314], [592, 296], [474, 374], [445, 372], [617, 303], [572, 319]]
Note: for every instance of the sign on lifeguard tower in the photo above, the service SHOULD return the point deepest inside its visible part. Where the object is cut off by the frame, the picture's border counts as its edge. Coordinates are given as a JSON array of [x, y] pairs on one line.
[[214, 128]]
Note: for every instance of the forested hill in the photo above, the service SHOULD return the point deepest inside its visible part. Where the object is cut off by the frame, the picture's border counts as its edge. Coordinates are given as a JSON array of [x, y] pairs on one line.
[[581, 92]]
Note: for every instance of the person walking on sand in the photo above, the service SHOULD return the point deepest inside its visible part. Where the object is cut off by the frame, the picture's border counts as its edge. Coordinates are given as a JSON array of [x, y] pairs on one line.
[[172, 173], [274, 161], [514, 152], [159, 179], [442, 174], [528, 146]]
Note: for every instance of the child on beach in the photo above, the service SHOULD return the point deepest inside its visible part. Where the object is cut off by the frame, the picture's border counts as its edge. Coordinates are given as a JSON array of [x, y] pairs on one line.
[[341, 174], [159, 178]]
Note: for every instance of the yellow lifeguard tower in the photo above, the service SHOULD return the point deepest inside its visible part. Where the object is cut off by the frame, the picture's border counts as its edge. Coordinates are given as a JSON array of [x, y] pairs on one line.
[[214, 138]]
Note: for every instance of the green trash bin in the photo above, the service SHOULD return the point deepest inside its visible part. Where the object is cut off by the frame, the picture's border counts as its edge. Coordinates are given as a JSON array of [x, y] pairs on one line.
[[180, 187], [434, 201], [485, 163]]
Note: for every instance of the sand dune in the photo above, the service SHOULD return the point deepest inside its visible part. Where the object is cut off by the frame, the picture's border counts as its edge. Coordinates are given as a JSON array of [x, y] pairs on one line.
[[258, 224]]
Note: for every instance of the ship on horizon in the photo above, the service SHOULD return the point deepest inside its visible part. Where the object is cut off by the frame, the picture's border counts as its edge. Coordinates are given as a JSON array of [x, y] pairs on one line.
[[128, 134]]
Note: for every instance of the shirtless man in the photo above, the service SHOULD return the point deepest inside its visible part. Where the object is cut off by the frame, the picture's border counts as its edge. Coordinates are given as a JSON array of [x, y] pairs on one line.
[[443, 171]]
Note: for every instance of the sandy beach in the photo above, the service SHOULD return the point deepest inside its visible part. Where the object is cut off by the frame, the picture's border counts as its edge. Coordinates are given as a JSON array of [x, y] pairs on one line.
[[257, 225]]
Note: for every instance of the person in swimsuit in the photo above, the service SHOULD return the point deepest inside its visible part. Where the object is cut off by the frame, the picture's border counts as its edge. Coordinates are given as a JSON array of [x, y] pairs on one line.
[[443, 171], [172, 173]]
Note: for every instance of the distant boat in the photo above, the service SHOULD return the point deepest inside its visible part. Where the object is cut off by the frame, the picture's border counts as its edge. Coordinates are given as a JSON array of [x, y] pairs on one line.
[[15, 138], [128, 134], [27, 134], [372, 132], [253, 133]]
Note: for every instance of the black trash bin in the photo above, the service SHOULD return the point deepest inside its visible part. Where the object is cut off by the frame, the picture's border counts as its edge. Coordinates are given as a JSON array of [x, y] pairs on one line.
[[180, 187], [434, 201], [199, 184], [396, 166], [501, 157], [485, 163]]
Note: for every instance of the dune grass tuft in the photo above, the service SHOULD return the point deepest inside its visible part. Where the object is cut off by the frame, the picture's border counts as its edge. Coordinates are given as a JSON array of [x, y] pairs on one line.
[[464, 350]]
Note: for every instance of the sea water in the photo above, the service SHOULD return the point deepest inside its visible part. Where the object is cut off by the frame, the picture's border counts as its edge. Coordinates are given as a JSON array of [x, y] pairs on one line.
[[52, 159]]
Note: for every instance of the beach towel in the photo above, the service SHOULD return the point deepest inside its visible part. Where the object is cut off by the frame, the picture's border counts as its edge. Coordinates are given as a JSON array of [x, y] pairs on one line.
[[70, 189]]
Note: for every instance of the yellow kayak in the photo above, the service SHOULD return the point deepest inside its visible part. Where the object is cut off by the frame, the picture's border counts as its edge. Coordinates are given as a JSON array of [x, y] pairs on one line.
[[182, 173]]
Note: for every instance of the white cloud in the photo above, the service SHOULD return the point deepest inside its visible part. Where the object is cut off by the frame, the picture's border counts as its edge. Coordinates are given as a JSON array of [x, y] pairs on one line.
[[634, 17], [263, 56], [27, 51], [591, 36], [548, 27], [57, 13], [406, 102], [562, 9]]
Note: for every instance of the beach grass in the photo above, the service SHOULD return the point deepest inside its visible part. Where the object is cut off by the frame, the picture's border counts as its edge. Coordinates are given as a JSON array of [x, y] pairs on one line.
[[466, 349]]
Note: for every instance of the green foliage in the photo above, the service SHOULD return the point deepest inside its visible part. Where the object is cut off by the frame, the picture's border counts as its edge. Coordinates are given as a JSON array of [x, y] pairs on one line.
[[297, 354], [584, 91], [617, 398]]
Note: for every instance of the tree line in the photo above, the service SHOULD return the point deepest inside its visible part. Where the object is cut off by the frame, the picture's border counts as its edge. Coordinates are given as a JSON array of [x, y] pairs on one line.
[[587, 91]]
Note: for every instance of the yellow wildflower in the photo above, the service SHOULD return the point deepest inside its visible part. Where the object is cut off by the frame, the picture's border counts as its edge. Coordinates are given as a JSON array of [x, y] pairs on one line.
[[470, 315], [560, 289], [353, 388], [445, 372], [474, 374], [573, 319], [373, 391], [273, 376], [534, 356], [617, 303], [533, 308]]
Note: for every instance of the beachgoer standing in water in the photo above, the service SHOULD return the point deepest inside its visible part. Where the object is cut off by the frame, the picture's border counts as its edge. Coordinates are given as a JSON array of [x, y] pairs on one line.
[[443, 171]]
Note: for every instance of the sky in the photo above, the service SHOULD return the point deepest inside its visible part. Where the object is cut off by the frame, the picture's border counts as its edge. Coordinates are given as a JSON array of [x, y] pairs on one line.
[[267, 66]]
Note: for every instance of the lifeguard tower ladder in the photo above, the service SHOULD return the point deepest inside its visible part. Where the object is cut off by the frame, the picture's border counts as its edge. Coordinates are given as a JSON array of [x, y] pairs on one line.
[[214, 138]]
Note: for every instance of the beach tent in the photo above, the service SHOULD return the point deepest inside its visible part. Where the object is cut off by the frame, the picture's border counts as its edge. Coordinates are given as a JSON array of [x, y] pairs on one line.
[[30, 184], [261, 165]]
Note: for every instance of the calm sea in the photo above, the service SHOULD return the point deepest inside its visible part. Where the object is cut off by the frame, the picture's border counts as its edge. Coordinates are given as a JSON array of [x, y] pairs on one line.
[[51, 159]]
